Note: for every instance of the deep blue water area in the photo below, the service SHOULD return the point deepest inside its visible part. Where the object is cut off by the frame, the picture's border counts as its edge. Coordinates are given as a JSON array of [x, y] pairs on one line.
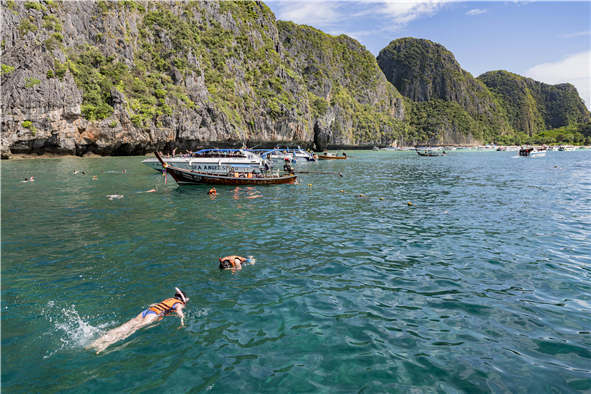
[[483, 284]]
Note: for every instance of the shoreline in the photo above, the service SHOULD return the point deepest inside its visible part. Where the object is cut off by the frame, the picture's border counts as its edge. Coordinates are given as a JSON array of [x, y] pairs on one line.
[[90, 155]]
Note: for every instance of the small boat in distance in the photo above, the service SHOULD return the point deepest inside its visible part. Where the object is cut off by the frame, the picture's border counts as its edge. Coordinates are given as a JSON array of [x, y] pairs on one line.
[[531, 152], [430, 152], [331, 156], [293, 154], [191, 177]]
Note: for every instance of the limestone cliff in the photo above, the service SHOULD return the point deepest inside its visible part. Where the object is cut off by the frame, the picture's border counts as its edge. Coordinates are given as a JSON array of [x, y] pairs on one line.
[[350, 96], [534, 106], [445, 104], [129, 77], [425, 71]]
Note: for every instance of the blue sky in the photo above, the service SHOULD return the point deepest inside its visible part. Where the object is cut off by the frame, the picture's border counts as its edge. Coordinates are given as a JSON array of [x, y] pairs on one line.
[[547, 41]]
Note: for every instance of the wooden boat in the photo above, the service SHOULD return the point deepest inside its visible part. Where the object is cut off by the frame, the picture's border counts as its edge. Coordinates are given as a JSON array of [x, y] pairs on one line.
[[430, 153], [212, 161], [331, 156], [191, 177]]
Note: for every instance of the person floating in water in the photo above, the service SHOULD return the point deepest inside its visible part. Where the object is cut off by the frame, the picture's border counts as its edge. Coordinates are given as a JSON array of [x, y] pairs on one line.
[[235, 262], [154, 313]]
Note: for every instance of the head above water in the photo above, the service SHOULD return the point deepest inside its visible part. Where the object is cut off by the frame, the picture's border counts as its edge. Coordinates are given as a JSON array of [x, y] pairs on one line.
[[180, 295]]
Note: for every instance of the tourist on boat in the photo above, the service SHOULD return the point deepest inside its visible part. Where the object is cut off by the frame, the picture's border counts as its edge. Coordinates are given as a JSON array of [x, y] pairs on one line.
[[154, 313], [235, 262], [212, 191], [287, 166]]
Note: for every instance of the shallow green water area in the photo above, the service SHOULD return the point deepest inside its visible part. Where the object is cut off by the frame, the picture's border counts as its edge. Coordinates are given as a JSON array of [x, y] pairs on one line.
[[482, 285]]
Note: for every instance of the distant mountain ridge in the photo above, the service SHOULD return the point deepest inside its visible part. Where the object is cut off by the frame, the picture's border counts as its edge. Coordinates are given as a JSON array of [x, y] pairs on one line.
[[531, 105], [131, 77], [445, 100]]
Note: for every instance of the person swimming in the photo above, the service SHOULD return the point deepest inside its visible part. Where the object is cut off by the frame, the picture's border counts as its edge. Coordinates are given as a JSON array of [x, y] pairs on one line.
[[151, 315], [235, 262]]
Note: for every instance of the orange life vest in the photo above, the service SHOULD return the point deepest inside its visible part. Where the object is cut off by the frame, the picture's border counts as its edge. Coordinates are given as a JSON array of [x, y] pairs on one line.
[[165, 307]]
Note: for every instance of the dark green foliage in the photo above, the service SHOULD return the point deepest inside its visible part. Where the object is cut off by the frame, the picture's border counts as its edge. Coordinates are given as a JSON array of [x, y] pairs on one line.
[[51, 22], [532, 106], [35, 5], [320, 106], [104, 6], [409, 63], [30, 82], [96, 75], [6, 69], [26, 26], [432, 119], [60, 69], [54, 41]]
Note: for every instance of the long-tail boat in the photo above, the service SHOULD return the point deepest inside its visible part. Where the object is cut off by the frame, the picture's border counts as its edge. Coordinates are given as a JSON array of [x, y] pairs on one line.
[[430, 152], [331, 156], [191, 177]]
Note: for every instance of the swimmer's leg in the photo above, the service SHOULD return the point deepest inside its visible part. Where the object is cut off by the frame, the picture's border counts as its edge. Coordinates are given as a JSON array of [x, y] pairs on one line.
[[122, 332]]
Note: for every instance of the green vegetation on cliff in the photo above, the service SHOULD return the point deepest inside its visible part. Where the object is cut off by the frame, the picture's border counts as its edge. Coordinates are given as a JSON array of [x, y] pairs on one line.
[[147, 74], [533, 106], [448, 104], [573, 134], [497, 106], [348, 91]]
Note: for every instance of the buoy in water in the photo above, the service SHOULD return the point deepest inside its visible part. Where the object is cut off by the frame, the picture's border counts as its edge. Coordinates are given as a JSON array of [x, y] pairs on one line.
[[362, 195], [381, 198], [309, 185], [341, 191], [410, 204]]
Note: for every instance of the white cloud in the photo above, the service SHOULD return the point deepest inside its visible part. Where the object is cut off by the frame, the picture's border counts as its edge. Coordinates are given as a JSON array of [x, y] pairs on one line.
[[407, 11], [577, 34], [575, 69], [476, 11], [330, 12], [309, 13]]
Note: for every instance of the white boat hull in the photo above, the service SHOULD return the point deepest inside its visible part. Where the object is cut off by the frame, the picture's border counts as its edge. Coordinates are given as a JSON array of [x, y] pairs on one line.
[[211, 165], [535, 154]]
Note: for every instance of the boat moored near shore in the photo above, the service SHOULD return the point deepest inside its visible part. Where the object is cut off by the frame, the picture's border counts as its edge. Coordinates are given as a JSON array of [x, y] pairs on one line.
[[184, 176], [216, 161], [331, 156]]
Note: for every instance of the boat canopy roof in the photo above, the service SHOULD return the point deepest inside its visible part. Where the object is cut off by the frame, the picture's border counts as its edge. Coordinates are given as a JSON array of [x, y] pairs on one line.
[[214, 150]]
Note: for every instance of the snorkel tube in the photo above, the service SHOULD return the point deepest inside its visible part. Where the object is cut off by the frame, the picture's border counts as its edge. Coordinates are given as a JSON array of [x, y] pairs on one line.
[[181, 294]]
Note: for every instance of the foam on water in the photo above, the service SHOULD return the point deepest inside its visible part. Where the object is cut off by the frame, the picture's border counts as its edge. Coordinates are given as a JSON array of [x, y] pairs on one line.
[[484, 284], [72, 330]]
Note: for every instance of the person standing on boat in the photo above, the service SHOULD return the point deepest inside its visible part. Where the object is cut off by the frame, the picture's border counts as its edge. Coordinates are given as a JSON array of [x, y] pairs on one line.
[[235, 262], [287, 166], [153, 314]]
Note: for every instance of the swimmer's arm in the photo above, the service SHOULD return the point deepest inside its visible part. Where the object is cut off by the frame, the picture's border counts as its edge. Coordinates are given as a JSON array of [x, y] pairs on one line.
[[179, 311]]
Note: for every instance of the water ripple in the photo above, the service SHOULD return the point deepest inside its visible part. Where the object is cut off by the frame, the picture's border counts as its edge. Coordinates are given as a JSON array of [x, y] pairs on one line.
[[483, 284]]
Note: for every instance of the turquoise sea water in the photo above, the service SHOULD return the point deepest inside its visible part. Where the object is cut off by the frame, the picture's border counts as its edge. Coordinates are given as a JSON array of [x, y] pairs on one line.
[[484, 284]]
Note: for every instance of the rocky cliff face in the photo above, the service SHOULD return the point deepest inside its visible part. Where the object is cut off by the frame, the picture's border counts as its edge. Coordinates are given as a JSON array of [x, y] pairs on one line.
[[424, 71], [135, 76], [445, 104], [351, 99], [533, 106]]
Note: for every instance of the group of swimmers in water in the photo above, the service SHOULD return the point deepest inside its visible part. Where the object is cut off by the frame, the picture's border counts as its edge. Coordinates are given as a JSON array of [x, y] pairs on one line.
[[156, 312]]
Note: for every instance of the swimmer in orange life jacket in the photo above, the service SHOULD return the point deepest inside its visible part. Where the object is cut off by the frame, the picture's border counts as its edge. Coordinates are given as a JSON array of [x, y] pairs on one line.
[[235, 262], [154, 313]]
